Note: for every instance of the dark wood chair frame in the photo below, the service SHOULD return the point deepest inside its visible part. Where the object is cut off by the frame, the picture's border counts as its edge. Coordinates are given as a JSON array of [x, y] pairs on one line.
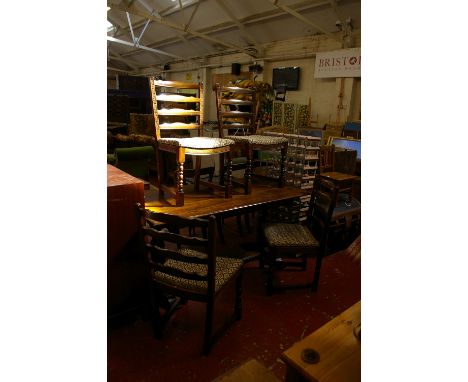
[[326, 158], [318, 221], [180, 151], [225, 96], [159, 238]]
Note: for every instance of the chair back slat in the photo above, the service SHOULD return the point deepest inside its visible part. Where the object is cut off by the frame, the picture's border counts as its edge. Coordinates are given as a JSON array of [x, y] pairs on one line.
[[162, 254], [175, 84], [171, 253], [175, 237], [174, 109], [326, 158], [321, 206], [238, 106]]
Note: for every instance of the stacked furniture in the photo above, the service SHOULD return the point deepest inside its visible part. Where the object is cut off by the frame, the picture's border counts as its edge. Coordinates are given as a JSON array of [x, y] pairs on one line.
[[187, 115], [236, 109], [301, 164], [346, 219]]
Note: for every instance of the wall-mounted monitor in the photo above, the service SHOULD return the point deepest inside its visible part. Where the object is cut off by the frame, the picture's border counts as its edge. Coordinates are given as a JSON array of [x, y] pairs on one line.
[[286, 78], [347, 143]]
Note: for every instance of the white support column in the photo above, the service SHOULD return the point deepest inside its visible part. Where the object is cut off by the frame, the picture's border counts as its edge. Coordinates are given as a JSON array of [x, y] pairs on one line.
[[344, 90]]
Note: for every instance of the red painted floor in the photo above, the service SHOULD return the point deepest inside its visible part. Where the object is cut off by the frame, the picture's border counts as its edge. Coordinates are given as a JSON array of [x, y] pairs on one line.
[[269, 325]]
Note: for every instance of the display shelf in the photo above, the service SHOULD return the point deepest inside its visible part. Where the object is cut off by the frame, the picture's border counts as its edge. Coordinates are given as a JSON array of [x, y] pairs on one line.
[[301, 164]]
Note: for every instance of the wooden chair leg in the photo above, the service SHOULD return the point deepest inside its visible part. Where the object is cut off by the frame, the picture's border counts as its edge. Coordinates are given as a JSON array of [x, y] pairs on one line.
[[247, 222], [238, 303], [156, 315], [239, 224], [269, 283], [228, 172], [208, 327], [282, 174], [304, 262], [318, 266], [248, 171], [197, 174], [180, 183], [222, 169], [270, 260], [219, 228]]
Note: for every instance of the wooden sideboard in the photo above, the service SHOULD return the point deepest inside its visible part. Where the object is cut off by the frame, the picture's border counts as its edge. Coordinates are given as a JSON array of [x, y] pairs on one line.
[[125, 268]]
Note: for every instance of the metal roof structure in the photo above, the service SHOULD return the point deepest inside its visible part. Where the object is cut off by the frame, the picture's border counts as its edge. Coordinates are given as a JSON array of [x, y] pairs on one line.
[[147, 35]]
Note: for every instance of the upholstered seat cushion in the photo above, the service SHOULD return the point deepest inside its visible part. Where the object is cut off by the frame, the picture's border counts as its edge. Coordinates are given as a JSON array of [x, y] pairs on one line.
[[258, 139], [226, 268], [198, 142], [289, 235]]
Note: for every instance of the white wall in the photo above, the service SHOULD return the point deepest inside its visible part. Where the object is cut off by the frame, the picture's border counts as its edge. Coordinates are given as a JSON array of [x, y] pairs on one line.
[[323, 92]]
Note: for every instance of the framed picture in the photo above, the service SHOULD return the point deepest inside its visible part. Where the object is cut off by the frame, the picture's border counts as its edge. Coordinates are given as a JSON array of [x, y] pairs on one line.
[[346, 143]]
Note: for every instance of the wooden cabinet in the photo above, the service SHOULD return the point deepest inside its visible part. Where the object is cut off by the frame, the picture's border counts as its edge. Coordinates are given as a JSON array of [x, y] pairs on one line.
[[125, 267]]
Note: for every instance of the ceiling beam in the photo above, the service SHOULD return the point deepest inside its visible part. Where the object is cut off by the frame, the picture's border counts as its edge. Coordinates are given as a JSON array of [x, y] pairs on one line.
[[177, 27], [163, 13], [174, 8], [117, 57], [250, 38], [192, 15], [334, 5], [154, 11], [297, 15], [113, 21], [252, 19], [117, 70], [157, 51]]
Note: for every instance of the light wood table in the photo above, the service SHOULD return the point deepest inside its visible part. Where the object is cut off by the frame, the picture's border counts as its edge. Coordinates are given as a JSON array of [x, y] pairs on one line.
[[338, 348]]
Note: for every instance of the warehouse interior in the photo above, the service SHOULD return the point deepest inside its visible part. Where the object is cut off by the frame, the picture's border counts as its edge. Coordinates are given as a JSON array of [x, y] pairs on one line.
[[72, 313]]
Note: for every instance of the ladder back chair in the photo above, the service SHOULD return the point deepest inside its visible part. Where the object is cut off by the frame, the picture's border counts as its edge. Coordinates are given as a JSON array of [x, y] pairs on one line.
[[299, 241], [237, 110], [326, 158], [186, 267], [344, 182], [166, 94]]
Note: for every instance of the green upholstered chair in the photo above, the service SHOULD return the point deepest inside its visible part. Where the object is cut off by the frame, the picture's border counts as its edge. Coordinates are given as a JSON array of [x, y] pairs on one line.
[[135, 160]]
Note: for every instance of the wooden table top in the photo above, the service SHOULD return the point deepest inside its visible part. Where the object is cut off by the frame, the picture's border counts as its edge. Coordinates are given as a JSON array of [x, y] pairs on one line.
[[117, 177], [204, 204], [338, 347], [339, 176]]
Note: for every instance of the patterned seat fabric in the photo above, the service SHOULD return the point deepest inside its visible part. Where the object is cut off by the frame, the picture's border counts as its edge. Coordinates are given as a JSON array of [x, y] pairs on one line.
[[142, 124], [225, 269], [198, 142], [258, 139], [289, 235]]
